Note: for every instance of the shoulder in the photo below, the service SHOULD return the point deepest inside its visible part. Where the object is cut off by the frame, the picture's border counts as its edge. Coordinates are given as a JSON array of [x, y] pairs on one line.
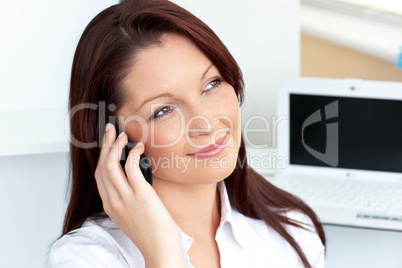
[[307, 238], [264, 238], [308, 230], [98, 243]]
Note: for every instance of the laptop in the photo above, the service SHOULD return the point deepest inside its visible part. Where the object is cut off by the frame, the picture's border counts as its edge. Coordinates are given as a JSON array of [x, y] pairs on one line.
[[341, 141]]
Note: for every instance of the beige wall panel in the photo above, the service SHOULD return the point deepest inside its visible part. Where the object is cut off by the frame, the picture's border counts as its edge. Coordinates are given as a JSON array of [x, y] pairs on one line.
[[323, 59]]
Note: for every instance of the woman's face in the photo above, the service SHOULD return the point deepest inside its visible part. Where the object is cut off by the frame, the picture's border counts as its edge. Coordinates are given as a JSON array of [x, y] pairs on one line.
[[177, 105]]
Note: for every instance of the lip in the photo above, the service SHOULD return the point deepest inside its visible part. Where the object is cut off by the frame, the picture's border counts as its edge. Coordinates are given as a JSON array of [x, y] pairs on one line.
[[212, 150]]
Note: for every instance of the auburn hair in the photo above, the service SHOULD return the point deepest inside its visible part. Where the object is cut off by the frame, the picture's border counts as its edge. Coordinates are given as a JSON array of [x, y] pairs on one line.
[[106, 50]]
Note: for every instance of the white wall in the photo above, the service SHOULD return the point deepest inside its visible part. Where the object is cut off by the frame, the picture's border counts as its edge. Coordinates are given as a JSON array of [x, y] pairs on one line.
[[38, 39], [38, 42], [32, 203]]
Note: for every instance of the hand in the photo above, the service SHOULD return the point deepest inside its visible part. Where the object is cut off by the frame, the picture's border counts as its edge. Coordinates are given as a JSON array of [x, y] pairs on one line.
[[133, 204]]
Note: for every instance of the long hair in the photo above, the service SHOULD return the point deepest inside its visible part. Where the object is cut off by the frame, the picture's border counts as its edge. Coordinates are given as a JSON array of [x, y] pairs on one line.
[[105, 52]]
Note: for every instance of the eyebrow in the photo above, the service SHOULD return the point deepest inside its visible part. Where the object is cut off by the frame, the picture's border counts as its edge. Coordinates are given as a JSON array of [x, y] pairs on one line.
[[167, 94], [207, 70]]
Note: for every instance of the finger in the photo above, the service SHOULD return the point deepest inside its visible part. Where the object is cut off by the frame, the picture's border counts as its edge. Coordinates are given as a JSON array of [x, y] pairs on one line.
[[134, 174], [106, 188], [117, 178], [101, 187], [101, 174], [107, 142]]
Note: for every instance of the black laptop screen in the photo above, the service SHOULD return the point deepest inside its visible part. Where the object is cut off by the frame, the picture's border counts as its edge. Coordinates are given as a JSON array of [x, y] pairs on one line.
[[352, 133]]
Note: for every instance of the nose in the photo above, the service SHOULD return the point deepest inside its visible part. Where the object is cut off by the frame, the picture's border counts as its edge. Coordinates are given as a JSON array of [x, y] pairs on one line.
[[199, 125], [200, 121]]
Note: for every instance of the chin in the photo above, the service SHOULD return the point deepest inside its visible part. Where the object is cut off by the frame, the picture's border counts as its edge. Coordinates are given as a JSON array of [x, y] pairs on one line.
[[212, 173]]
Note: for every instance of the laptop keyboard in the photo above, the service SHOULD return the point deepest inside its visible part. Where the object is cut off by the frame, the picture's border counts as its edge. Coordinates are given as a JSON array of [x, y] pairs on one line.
[[373, 200]]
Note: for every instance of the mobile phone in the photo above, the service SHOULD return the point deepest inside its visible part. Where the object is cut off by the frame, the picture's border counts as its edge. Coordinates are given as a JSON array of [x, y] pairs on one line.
[[145, 164]]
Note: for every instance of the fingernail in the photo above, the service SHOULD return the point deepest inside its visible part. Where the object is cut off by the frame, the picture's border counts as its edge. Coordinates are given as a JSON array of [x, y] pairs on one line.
[[139, 144], [108, 126], [121, 135]]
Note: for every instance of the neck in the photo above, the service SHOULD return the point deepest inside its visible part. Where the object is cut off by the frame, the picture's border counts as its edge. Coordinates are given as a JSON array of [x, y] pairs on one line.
[[195, 208]]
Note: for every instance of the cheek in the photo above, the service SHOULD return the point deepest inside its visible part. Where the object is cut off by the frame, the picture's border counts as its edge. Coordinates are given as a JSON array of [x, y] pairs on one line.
[[164, 144], [166, 133], [159, 138], [137, 130], [164, 139], [232, 110]]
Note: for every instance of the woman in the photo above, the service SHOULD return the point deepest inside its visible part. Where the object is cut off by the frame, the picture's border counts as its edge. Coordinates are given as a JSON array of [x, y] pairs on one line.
[[167, 81]]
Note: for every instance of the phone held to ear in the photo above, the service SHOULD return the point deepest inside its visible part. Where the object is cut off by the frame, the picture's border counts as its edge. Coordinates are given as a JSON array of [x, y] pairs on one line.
[[145, 164]]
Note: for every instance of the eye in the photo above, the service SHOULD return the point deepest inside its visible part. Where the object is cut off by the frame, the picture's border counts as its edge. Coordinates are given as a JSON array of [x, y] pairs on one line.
[[162, 112], [214, 84]]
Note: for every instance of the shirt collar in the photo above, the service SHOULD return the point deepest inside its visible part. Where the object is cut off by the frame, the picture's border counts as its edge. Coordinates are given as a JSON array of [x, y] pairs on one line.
[[235, 219], [186, 241], [236, 223]]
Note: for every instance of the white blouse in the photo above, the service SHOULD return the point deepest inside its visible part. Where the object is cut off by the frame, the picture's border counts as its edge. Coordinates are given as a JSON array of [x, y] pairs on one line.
[[242, 242]]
